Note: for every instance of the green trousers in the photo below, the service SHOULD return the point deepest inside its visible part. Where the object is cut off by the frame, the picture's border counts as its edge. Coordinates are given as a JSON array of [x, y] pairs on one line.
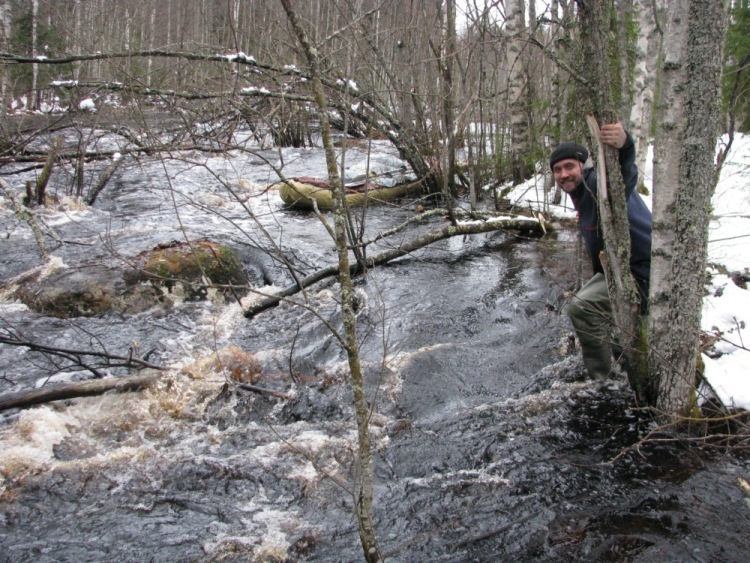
[[591, 313]]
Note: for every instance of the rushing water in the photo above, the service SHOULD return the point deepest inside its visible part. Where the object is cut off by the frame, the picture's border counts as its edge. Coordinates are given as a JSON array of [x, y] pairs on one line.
[[488, 445]]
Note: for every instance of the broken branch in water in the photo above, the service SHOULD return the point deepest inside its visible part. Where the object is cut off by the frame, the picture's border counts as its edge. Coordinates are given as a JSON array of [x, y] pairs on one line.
[[31, 397]]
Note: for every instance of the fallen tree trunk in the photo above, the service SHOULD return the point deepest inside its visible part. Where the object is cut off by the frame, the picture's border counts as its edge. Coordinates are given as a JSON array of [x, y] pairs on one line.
[[462, 228], [23, 399]]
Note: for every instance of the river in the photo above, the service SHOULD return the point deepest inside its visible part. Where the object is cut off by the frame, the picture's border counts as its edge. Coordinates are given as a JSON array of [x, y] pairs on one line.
[[489, 446]]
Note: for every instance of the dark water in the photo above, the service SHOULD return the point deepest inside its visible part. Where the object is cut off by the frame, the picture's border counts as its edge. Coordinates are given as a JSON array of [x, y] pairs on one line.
[[489, 447]]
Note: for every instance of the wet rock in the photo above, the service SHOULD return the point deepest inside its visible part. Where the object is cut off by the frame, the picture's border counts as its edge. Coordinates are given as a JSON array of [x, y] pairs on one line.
[[191, 270], [315, 404], [83, 291], [74, 447], [164, 274]]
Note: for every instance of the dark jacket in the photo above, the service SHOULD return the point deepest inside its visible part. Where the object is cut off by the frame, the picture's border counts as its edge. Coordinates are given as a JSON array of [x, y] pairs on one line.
[[639, 216]]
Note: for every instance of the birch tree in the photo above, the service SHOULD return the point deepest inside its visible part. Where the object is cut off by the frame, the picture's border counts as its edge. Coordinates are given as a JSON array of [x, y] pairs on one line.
[[515, 28], [5, 34], [648, 47], [33, 97], [684, 182], [612, 203]]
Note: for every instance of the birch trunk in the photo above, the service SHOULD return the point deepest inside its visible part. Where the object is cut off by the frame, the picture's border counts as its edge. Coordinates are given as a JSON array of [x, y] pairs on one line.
[[5, 31], [684, 180], [644, 79], [77, 38], [557, 94], [33, 98], [449, 53], [515, 28], [625, 16], [151, 34]]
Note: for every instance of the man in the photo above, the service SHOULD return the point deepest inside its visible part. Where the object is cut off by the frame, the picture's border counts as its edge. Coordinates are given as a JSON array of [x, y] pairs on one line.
[[590, 310]]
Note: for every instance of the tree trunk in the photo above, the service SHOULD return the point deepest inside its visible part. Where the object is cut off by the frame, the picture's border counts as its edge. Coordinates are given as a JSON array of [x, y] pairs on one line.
[[516, 29], [448, 63], [612, 204], [5, 33], [33, 96], [557, 95], [684, 180], [402, 249], [363, 500], [625, 45], [23, 399], [644, 79]]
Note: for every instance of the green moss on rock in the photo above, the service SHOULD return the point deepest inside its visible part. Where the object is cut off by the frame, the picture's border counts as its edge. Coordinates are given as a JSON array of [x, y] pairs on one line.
[[192, 269]]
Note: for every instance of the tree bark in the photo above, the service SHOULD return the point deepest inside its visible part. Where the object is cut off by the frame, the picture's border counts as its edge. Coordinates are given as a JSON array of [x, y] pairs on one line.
[[103, 179], [612, 203], [685, 180], [5, 34], [644, 79], [516, 30], [34, 95], [40, 189]]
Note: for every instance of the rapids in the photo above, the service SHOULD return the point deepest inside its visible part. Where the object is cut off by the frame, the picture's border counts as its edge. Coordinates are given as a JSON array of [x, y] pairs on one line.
[[489, 446]]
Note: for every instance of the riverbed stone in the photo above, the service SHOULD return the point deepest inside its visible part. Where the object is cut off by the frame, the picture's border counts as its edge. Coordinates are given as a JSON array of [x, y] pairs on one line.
[[86, 292], [193, 271], [159, 277]]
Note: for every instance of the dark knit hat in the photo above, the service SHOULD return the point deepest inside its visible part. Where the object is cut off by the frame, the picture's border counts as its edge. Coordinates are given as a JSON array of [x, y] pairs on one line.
[[568, 150]]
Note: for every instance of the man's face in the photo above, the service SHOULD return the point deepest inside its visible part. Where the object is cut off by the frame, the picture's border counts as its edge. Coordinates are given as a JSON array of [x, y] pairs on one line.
[[568, 173]]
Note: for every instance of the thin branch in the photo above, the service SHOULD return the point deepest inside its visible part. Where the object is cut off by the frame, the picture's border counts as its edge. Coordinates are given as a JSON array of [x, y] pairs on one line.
[[13, 338]]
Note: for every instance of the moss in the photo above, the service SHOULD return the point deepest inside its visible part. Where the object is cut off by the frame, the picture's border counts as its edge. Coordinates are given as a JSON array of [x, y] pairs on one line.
[[639, 376], [193, 268]]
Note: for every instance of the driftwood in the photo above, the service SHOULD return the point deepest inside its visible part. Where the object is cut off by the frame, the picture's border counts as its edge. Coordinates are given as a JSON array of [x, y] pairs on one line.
[[23, 399], [264, 391], [463, 228]]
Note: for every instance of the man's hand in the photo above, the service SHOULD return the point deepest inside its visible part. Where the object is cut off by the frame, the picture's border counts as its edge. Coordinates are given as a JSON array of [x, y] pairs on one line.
[[614, 134]]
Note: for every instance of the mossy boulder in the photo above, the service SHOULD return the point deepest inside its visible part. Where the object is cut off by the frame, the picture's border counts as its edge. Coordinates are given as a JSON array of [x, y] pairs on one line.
[[161, 276], [83, 291], [195, 271]]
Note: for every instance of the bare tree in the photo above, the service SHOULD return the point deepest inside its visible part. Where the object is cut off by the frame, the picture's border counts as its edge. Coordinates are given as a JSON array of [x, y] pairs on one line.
[[364, 489]]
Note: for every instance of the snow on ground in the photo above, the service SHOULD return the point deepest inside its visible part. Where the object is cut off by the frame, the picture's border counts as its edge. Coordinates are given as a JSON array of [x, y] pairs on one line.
[[726, 307]]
